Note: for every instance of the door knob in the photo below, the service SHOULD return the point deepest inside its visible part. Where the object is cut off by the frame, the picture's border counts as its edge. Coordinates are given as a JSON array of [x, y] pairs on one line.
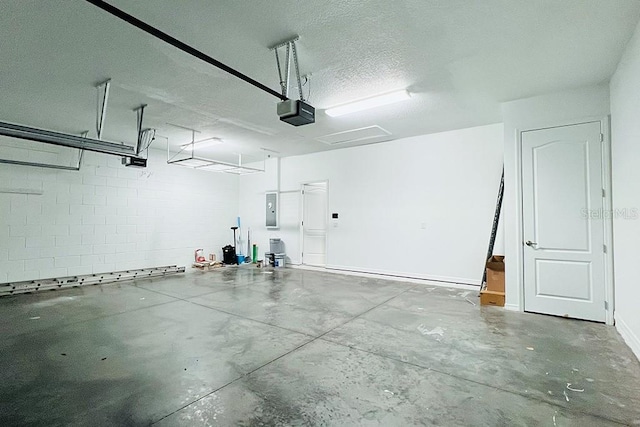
[[530, 243]]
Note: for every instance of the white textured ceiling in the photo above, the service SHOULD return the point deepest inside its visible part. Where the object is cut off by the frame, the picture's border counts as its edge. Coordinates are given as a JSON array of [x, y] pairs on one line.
[[459, 58]]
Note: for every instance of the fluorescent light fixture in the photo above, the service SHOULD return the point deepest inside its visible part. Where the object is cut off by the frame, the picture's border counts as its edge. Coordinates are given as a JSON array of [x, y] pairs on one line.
[[367, 103], [208, 142]]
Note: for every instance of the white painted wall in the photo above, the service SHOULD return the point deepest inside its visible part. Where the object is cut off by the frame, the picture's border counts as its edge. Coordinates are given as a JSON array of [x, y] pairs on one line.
[[562, 108], [417, 207], [108, 217], [625, 129]]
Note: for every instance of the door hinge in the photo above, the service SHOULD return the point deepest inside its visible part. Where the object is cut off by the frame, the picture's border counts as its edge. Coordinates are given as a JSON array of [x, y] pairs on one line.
[[602, 137], [302, 223], [604, 248], [606, 305], [604, 193]]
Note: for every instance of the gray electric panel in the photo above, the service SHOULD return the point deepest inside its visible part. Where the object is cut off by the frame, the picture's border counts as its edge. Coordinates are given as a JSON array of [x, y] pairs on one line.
[[272, 210]]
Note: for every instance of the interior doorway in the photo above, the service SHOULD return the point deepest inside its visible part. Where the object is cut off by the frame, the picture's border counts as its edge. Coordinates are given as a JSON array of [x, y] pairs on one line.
[[314, 224], [564, 221]]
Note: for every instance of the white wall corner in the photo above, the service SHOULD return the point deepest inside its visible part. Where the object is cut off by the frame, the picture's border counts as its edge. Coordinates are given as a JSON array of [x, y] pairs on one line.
[[628, 336], [625, 129]]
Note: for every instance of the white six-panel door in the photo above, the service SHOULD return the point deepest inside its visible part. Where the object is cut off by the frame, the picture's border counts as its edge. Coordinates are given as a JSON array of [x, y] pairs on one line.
[[563, 214]]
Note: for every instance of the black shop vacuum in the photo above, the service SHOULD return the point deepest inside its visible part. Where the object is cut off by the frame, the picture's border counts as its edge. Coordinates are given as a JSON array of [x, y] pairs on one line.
[[229, 252]]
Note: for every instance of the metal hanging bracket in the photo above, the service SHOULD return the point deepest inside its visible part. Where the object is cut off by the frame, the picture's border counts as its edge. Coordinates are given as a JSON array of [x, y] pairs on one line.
[[290, 53], [294, 112], [146, 135], [103, 99]]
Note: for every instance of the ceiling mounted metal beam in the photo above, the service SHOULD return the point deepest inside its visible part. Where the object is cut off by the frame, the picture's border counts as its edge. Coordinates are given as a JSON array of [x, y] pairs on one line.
[[65, 140], [118, 13]]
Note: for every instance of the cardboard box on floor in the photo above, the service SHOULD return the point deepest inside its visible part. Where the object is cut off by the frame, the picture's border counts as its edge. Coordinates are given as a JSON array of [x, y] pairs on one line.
[[492, 298], [495, 273], [494, 292]]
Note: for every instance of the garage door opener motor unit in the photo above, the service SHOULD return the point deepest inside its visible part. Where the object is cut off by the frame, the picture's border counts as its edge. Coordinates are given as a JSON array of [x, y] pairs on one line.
[[296, 112]]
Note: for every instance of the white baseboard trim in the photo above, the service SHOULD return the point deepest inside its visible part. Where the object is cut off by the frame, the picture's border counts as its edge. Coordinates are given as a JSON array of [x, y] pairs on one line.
[[447, 279], [393, 277], [512, 307], [628, 336], [306, 267]]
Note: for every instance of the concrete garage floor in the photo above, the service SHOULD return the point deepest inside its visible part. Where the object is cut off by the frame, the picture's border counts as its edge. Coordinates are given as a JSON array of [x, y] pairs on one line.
[[242, 347]]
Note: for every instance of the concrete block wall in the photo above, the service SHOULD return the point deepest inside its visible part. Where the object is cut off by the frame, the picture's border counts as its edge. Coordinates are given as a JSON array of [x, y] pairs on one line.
[[108, 217]]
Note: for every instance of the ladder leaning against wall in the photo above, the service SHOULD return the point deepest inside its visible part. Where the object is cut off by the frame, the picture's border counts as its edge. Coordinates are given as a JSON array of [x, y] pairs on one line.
[[494, 229]]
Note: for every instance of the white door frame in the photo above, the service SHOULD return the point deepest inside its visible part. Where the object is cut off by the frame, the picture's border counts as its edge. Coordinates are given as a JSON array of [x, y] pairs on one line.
[[607, 221], [301, 216]]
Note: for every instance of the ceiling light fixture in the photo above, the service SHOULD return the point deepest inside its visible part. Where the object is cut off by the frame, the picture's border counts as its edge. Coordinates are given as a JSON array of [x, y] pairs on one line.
[[367, 103], [208, 142]]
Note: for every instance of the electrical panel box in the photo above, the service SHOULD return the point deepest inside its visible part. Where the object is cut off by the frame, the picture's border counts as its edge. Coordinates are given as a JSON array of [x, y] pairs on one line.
[[272, 210]]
